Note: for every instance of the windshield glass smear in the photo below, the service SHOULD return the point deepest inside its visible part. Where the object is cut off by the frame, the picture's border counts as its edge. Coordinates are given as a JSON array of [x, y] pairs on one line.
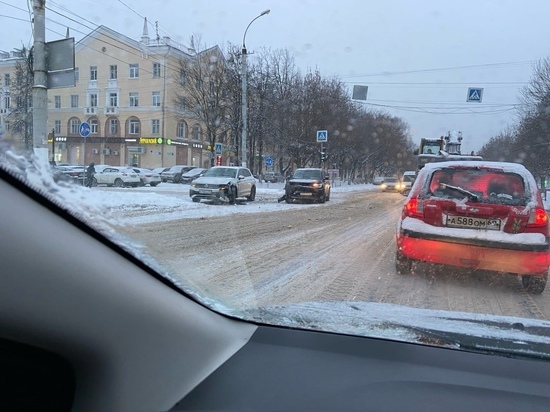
[[450, 256]]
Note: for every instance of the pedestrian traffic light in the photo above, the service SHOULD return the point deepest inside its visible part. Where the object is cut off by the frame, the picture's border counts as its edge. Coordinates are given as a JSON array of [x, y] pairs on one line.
[[218, 160]]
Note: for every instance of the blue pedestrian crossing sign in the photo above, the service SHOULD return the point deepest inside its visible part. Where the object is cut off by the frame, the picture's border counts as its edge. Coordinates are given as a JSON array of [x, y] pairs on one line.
[[84, 129], [218, 148], [322, 135], [475, 94]]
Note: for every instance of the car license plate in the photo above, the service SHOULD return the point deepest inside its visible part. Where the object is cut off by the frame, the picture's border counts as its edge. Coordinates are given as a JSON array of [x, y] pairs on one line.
[[205, 191], [472, 222], [305, 194]]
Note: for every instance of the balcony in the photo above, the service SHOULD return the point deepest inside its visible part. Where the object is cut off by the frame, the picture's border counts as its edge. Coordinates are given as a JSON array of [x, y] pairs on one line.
[[90, 110], [111, 111]]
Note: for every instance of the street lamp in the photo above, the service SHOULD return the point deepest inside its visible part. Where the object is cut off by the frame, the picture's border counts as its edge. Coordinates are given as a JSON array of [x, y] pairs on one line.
[[244, 105]]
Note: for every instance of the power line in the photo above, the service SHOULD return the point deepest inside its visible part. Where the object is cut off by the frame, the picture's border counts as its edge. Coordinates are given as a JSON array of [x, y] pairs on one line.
[[473, 66]]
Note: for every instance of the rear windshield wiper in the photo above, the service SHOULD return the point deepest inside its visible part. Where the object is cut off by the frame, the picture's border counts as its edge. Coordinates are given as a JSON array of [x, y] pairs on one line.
[[471, 196]]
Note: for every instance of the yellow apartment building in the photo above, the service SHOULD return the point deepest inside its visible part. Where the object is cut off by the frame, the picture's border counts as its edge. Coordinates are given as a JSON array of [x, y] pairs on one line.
[[124, 103]]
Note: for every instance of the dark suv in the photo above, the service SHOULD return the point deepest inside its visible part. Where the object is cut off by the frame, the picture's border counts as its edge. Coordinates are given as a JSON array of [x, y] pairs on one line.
[[308, 184]]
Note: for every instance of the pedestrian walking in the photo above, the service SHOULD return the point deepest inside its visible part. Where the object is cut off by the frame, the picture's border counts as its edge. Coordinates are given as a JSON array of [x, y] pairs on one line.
[[90, 172]]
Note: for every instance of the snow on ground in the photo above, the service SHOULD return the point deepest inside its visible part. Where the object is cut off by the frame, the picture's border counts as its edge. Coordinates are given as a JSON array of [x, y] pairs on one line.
[[169, 201]]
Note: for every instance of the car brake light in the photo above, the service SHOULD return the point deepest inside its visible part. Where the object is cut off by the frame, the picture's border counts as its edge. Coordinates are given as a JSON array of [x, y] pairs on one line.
[[537, 217], [414, 208]]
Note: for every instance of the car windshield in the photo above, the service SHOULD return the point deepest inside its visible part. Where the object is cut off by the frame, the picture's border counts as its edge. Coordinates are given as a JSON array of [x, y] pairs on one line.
[[333, 94], [221, 172], [306, 174]]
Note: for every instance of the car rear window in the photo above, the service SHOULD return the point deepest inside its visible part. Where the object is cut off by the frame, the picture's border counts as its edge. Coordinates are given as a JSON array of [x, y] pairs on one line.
[[488, 185]]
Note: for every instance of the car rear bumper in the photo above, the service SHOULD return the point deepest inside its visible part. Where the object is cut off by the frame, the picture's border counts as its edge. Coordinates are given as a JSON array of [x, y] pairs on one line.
[[523, 259]]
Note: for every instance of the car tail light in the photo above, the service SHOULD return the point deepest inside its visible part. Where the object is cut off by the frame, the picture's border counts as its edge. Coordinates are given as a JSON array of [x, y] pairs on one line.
[[537, 218], [414, 208]]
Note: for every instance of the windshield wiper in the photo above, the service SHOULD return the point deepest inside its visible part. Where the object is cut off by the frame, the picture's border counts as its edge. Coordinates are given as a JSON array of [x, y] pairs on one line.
[[472, 197]]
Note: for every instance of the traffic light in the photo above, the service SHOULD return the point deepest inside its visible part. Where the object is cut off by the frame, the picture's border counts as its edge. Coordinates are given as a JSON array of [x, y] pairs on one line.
[[323, 154], [218, 160]]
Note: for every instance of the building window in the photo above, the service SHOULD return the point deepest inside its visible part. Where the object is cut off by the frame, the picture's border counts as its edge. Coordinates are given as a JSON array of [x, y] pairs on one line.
[[7, 101], [181, 132], [113, 75], [7, 79], [93, 72], [197, 132], [75, 126], [133, 127], [156, 99], [93, 99], [134, 96], [113, 126], [57, 127], [134, 71], [57, 102], [156, 70], [155, 126], [113, 99], [74, 100], [76, 73], [181, 104], [93, 126]]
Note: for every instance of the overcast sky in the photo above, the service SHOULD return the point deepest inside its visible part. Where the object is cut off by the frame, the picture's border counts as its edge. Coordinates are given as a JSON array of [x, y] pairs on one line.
[[418, 57]]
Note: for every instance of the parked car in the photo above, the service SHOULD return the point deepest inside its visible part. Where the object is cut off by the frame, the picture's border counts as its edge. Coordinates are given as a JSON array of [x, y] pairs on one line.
[[173, 174], [273, 177], [117, 176], [70, 173], [147, 176], [225, 183], [478, 215], [390, 183], [192, 174], [308, 184], [160, 170]]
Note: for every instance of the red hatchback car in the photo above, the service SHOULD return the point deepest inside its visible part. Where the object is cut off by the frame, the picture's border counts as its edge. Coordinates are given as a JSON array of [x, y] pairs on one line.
[[480, 215]]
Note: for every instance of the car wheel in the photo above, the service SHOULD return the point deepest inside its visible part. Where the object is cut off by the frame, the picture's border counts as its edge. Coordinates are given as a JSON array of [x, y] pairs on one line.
[[323, 198], [288, 199], [402, 264], [118, 182], [534, 284], [153, 184], [252, 194], [195, 199]]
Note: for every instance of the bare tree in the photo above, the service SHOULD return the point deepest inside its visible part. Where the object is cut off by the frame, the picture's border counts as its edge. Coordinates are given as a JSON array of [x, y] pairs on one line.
[[203, 83], [20, 116]]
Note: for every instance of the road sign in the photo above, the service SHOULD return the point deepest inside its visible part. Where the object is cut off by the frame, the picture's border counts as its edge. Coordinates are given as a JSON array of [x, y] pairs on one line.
[[268, 161], [84, 129], [475, 94], [218, 148], [322, 135]]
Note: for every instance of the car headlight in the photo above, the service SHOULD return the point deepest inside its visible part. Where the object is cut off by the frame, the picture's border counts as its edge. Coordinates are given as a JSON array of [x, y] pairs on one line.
[[317, 185], [383, 185]]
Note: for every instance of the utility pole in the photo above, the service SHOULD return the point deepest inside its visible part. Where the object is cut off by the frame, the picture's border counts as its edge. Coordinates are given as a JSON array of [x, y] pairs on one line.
[[40, 90]]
